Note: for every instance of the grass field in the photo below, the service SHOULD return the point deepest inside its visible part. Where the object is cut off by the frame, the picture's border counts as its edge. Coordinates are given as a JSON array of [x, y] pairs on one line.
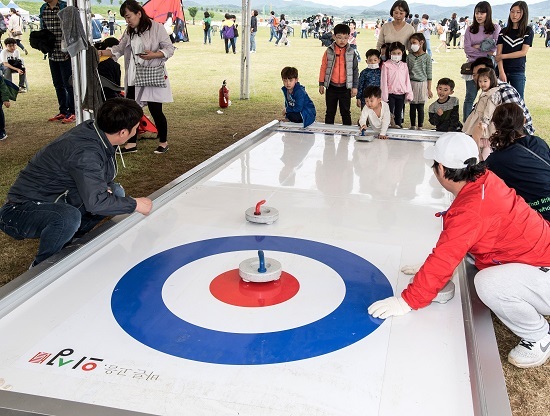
[[196, 132]]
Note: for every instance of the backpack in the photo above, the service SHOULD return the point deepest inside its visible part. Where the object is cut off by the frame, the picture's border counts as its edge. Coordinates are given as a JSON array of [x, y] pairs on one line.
[[205, 25], [228, 32], [275, 22], [439, 29]]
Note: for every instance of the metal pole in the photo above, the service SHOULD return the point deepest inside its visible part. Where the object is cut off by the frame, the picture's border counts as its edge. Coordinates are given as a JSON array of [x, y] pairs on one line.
[[75, 67], [86, 18], [245, 50], [78, 63]]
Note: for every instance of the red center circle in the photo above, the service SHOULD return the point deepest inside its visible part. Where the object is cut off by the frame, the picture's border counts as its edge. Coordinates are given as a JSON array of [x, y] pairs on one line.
[[229, 288]]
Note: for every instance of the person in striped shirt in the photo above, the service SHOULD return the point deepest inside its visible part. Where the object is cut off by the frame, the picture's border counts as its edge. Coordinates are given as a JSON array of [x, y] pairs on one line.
[[420, 72]]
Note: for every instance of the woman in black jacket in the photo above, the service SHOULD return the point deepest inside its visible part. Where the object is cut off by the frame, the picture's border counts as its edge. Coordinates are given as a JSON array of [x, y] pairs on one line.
[[522, 161], [453, 31]]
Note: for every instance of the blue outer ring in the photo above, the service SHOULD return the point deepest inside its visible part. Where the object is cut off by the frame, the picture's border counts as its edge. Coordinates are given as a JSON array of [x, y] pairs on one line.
[[139, 309]]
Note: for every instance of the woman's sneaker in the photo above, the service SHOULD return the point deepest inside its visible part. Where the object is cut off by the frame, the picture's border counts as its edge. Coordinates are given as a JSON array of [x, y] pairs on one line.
[[530, 354]]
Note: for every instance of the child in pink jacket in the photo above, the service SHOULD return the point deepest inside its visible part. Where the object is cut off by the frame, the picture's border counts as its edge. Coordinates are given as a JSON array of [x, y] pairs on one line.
[[395, 82]]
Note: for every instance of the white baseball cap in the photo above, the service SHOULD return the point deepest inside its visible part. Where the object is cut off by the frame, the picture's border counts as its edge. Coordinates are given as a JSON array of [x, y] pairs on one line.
[[452, 150]]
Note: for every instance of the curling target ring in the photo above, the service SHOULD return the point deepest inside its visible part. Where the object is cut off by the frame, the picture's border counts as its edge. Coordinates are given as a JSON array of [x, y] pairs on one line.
[[139, 309]]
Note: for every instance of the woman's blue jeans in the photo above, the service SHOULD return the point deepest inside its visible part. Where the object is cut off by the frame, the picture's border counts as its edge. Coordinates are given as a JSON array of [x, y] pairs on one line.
[[517, 80], [207, 35], [471, 92], [253, 41]]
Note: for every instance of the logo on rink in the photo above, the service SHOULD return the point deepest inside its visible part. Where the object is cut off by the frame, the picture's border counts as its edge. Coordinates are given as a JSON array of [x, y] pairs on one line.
[[65, 358], [61, 360]]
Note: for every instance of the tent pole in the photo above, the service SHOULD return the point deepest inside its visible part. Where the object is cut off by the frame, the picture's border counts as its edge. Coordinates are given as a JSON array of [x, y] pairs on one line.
[[245, 50], [75, 67], [86, 18], [78, 63]]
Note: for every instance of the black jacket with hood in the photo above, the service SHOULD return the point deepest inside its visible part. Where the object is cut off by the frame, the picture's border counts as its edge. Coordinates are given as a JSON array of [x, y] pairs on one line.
[[77, 168]]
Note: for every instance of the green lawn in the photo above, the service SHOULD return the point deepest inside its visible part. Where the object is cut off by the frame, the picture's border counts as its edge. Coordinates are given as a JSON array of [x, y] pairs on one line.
[[196, 132]]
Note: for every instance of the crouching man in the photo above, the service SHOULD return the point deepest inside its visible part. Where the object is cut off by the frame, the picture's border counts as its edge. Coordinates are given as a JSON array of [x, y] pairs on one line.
[[509, 240], [68, 186]]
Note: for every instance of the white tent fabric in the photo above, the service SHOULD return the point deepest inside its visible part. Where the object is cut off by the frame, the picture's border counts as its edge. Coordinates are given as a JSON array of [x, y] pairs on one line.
[[5, 10]]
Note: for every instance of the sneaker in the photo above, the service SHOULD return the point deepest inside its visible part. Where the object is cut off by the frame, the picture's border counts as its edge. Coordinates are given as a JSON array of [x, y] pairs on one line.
[[419, 128], [3, 136], [125, 150], [69, 119], [57, 117], [22, 90], [530, 354], [160, 150]]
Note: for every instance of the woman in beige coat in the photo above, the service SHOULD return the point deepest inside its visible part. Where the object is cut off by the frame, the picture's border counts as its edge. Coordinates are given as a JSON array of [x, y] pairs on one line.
[[15, 27]]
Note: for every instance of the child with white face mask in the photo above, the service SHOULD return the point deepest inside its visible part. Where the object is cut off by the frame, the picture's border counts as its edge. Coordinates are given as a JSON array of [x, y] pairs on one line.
[[420, 73], [395, 82], [370, 76]]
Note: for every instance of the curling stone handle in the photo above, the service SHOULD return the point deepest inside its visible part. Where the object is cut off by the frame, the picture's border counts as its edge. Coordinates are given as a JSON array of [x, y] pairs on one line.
[[258, 205], [261, 257]]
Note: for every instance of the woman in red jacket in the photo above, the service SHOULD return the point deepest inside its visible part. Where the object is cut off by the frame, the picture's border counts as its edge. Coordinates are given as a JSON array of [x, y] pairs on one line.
[[509, 241]]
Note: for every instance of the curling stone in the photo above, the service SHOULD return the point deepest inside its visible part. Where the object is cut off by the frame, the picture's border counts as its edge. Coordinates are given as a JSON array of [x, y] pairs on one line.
[[262, 215], [445, 294], [364, 137], [260, 269]]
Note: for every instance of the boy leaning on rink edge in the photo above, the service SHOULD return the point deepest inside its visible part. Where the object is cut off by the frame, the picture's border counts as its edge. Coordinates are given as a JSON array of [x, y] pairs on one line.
[[298, 106], [339, 75], [444, 112], [375, 112]]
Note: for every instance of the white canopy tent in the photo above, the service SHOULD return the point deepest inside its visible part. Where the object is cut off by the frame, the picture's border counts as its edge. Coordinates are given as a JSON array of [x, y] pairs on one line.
[[5, 10]]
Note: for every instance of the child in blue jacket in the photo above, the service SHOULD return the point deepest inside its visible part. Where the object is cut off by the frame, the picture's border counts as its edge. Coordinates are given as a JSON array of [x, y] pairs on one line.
[[298, 106]]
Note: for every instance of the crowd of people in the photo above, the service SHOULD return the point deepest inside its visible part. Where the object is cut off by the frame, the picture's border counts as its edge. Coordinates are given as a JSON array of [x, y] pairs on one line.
[[494, 166], [497, 216]]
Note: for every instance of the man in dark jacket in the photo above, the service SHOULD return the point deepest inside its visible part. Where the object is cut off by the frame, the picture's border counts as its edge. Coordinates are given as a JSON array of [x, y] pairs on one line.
[[68, 186]]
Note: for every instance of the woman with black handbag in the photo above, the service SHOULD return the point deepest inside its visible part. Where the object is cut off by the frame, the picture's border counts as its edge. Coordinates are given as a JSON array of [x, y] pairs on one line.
[[146, 47], [15, 27]]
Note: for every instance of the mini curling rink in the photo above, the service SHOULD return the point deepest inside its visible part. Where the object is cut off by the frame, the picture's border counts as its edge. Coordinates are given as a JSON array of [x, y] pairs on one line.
[[195, 310]]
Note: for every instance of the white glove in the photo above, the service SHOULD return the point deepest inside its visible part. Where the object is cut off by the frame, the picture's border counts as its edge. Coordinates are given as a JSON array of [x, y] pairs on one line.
[[392, 306], [411, 268]]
